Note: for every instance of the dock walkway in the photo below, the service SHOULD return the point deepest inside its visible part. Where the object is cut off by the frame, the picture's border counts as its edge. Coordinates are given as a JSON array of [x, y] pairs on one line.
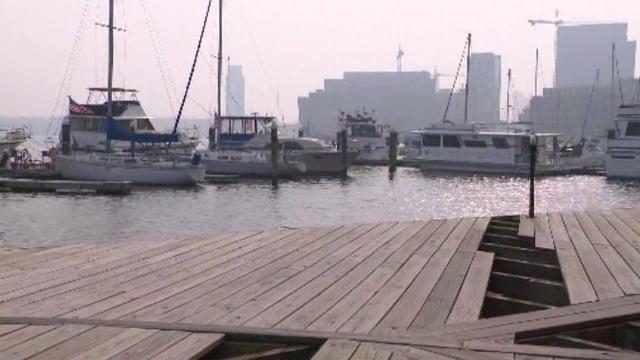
[[562, 286]]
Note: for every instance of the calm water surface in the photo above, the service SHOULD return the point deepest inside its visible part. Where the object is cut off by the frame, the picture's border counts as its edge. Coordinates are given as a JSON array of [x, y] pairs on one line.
[[28, 220]]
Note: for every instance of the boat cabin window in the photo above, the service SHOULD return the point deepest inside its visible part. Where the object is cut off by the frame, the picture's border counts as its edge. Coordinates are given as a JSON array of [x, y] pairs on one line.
[[500, 143], [363, 131], [144, 124], [431, 140], [633, 129], [291, 145], [450, 141], [475, 143]]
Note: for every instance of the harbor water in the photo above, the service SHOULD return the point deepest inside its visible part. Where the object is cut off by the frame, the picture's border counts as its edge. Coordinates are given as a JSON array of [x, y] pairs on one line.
[[368, 195]]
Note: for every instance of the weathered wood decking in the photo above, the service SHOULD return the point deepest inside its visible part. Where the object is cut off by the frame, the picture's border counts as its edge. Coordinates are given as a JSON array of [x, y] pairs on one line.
[[408, 290]]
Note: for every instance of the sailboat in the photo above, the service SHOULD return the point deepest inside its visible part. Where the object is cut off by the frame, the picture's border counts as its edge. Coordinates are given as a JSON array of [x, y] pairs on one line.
[[110, 165], [227, 153]]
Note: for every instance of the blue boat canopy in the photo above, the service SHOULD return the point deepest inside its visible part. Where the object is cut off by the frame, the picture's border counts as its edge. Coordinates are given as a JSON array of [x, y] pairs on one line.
[[114, 132]]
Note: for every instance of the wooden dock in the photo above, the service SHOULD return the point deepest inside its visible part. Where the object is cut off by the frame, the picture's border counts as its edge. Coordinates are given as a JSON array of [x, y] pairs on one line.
[[67, 186], [562, 286]]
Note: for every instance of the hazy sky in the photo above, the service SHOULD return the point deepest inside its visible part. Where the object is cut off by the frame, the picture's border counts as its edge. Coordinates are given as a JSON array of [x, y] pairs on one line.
[[286, 46]]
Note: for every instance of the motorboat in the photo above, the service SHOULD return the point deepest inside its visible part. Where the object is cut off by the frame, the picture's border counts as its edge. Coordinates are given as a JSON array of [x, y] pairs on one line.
[[623, 144], [366, 137], [318, 157], [488, 148]]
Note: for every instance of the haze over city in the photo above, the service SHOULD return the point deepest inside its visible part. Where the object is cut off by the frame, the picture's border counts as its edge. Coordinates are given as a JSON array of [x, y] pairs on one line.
[[287, 48]]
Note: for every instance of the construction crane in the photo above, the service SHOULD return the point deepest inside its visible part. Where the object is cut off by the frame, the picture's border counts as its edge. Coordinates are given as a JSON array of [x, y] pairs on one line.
[[557, 22]]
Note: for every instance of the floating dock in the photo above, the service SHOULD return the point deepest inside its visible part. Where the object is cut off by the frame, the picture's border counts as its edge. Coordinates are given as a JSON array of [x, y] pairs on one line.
[[67, 186], [560, 286]]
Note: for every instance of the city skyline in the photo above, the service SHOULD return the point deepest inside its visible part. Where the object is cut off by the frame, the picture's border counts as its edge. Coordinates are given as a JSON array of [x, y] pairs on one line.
[[278, 62]]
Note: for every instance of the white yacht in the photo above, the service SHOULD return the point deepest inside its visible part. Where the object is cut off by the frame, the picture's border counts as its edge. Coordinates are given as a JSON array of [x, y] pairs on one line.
[[366, 137], [623, 145], [318, 157], [477, 148], [12, 137]]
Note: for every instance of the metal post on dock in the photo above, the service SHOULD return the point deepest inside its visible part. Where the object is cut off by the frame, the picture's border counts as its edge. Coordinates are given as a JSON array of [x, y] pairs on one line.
[[275, 146], [342, 143], [533, 151], [393, 151], [66, 137]]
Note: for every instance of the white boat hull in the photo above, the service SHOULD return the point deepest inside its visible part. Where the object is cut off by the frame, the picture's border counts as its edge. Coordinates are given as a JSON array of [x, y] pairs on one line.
[[623, 166], [249, 165], [82, 167], [490, 168]]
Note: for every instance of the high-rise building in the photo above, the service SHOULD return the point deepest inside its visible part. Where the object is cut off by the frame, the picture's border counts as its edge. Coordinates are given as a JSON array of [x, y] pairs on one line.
[[484, 88], [582, 50], [235, 91], [404, 100]]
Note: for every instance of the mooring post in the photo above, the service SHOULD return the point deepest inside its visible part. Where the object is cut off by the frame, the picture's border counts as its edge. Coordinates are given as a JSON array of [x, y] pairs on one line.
[[275, 146], [533, 151], [66, 137], [393, 151], [342, 142], [212, 138]]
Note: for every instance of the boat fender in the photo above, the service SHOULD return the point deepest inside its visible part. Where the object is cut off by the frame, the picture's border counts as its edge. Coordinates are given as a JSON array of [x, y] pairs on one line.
[[195, 160]]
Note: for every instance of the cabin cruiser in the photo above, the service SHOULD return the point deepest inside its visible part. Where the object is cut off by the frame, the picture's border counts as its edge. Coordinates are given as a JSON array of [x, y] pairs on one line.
[[318, 157], [366, 137], [623, 145], [229, 154], [487, 148], [11, 138], [88, 123]]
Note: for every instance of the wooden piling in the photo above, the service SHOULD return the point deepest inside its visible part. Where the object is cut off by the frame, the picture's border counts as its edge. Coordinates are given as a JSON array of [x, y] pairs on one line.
[[212, 138], [66, 138], [393, 151], [275, 146], [342, 137], [533, 150]]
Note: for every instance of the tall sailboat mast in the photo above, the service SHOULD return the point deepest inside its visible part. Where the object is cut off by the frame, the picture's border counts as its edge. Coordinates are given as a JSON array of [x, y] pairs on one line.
[[110, 71], [219, 109], [466, 91]]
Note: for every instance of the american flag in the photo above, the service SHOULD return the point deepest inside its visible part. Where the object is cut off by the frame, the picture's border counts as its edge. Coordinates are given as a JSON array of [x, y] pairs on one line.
[[75, 108]]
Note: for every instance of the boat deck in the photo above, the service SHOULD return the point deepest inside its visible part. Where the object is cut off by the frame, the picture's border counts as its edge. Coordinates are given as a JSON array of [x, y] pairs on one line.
[[562, 286]]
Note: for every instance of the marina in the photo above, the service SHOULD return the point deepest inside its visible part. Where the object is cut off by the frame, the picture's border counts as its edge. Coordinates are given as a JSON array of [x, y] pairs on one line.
[[425, 289]]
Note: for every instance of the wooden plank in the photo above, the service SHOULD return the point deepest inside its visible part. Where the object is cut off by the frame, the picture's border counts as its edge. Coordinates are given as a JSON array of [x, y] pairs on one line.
[[79, 344], [5, 329], [193, 347], [337, 264], [147, 287], [628, 252], [626, 226], [623, 274], [556, 352], [526, 227], [469, 302], [370, 314], [442, 298], [603, 282], [329, 287], [151, 346], [331, 319], [41, 343], [336, 350], [402, 315], [542, 231], [22, 335], [578, 284], [367, 351], [90, 298], [186, 303], [115, 345]]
